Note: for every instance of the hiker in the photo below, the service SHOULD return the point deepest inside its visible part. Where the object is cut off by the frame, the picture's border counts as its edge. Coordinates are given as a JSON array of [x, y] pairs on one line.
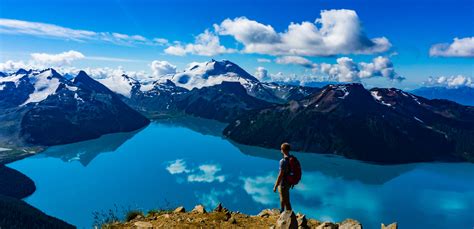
[[289, 175]]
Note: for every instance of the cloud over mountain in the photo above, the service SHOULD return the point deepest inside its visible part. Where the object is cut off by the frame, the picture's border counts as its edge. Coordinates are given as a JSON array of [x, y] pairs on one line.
[[450, 81], [335, 32], [59, 59], [205, 44], [347, 70], [160, 68]]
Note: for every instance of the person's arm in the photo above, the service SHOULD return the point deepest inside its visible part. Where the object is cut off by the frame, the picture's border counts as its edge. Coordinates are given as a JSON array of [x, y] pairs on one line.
[[278, 180]]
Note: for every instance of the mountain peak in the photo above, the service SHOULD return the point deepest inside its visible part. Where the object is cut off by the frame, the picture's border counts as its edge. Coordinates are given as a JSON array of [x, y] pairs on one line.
[[22, 71], [212, 73]]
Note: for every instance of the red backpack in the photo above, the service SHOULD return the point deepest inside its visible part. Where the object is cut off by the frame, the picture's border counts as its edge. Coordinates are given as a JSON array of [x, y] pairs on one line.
[[294, 175]]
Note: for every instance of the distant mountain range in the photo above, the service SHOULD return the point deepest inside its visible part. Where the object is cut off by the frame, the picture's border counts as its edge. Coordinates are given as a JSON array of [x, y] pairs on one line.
[[45, 108], [380, 125], [463, 95]]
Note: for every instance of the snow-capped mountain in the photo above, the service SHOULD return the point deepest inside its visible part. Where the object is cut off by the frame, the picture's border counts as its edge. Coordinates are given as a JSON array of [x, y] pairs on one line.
[[379, 125], [160, 97], [45, 108], [212, 73]]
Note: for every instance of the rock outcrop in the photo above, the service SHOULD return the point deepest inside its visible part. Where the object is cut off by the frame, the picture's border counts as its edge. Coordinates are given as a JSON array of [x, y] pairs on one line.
[[221, 217]]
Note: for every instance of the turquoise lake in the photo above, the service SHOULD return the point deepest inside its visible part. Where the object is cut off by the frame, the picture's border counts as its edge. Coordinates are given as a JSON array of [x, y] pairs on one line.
[[186, 161]]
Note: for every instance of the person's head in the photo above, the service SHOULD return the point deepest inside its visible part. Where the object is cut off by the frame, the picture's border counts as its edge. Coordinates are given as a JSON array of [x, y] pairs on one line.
[[285, 148]]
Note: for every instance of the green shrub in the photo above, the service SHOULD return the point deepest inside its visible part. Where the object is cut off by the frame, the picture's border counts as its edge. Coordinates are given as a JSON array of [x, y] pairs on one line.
[[132, 214]]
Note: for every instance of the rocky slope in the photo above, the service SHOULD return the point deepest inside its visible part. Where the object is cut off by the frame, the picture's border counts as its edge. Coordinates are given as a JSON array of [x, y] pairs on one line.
[[44, 108], [221, 217], [380, 125]]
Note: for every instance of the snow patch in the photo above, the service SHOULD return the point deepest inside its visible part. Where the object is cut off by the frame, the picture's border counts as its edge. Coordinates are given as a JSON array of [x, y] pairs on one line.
[[4, 149], [118, 83], [44, 85], [343, 89], [12, 78], [146, 87], [71, 88], [417, 119], [378, 98]]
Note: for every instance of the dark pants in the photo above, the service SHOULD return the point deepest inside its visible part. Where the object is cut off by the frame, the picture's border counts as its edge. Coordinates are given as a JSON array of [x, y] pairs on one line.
[[284, 197]]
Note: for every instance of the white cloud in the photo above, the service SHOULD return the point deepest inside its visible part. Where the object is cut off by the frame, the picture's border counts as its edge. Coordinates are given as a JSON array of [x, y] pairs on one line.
[[38, 29], [206, 44], [336, 32], [298, 60], [461, 47], [160, 68], [60, 59], [207, 173], [263, 60], [177, 167], [260, 189], [161, 41], [451, 81], [346, 70], [262, 74], [43, 60], [10, 66]]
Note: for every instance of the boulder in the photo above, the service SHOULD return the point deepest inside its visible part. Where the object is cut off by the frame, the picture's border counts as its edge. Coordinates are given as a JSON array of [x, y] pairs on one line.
[[350, 224], [219, 208], [268, 212], [287, 220], [327, 225], [232, 220], [391, 226], [302, 221], [179, 209], [199, 209], [143, 225]]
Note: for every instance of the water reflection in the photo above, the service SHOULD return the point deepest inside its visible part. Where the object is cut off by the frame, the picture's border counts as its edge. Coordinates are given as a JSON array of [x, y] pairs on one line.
[[86, 151], [200, 125], [334, 166], [169, 161]]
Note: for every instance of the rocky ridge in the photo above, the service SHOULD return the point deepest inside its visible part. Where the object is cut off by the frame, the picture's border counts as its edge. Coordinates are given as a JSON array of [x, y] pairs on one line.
[[222, 217]]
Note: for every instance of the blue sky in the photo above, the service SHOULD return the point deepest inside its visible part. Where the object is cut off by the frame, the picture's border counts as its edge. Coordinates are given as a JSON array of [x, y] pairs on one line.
[[411, 27]]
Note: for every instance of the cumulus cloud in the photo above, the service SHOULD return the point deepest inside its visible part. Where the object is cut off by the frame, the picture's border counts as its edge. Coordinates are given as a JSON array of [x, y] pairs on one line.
[[59, 59], [346, 70], [160, 68], [10, 66], [261, 74], [335, 32], [43, 60], [460, 47], [451, 81], [205, 44], [38, 29], [298, 60]]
